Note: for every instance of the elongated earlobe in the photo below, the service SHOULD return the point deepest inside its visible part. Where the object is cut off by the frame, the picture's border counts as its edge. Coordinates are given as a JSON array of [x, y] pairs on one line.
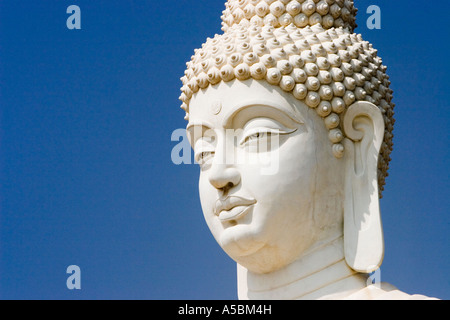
[[363, 233]]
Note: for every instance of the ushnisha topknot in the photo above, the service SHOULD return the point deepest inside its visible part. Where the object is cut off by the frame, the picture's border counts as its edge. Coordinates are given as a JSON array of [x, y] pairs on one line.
[[329, 13], [323, 64]]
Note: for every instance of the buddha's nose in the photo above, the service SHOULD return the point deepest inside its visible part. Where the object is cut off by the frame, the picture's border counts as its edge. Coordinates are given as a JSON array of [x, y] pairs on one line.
[[223, 177]]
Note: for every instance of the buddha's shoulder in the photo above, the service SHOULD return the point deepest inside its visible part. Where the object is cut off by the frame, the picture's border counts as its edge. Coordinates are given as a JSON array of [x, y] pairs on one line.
[[385, 291]]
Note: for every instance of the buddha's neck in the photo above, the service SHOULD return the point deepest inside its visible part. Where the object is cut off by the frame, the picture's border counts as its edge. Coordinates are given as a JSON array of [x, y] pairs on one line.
[[322, 273]]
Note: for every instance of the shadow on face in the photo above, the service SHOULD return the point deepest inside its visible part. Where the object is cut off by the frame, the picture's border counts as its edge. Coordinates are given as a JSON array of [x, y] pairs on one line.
[[270, 186]]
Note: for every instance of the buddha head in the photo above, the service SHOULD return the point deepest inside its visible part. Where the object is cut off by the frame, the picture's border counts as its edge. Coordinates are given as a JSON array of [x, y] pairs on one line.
[[288, 83]]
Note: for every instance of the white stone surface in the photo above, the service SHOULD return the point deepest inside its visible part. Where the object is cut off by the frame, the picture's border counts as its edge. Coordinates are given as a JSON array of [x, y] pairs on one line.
[[292, 127]]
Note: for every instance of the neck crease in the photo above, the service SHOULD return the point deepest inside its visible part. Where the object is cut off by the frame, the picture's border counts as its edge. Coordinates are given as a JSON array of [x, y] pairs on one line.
[[319, 274]]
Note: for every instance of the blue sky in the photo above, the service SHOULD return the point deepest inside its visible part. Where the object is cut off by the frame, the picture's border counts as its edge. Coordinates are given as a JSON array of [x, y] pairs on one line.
[[85, 144]]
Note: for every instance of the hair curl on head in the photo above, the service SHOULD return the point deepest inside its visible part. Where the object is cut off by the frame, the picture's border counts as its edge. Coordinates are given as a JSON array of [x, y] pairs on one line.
[[307, 48]]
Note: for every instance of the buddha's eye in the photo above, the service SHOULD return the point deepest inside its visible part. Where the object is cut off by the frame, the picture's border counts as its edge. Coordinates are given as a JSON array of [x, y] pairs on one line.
[[204, 151], [203, 157], [259, 134], [260, 130]]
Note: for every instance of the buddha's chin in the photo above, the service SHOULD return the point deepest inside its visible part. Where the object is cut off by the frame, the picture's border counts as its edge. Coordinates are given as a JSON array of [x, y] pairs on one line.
[[253, 250], [240, 241]]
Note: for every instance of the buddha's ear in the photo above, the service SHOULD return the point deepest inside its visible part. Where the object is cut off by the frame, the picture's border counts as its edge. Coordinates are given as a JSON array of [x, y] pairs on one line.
[[363, 234]]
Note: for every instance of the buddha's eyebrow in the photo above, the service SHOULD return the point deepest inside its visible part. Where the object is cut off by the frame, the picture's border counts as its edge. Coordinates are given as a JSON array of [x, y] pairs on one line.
[[197, 124], [196, 129], [281, 110]]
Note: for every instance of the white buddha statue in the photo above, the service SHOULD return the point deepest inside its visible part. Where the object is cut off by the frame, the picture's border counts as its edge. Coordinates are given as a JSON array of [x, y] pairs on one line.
[[290, 118]]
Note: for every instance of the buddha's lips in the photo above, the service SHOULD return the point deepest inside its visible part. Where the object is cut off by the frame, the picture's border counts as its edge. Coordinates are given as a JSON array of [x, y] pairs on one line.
[[224, 207]]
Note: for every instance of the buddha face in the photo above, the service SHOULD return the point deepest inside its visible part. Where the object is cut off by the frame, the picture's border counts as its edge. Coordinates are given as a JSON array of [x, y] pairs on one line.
[[270, 187]]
